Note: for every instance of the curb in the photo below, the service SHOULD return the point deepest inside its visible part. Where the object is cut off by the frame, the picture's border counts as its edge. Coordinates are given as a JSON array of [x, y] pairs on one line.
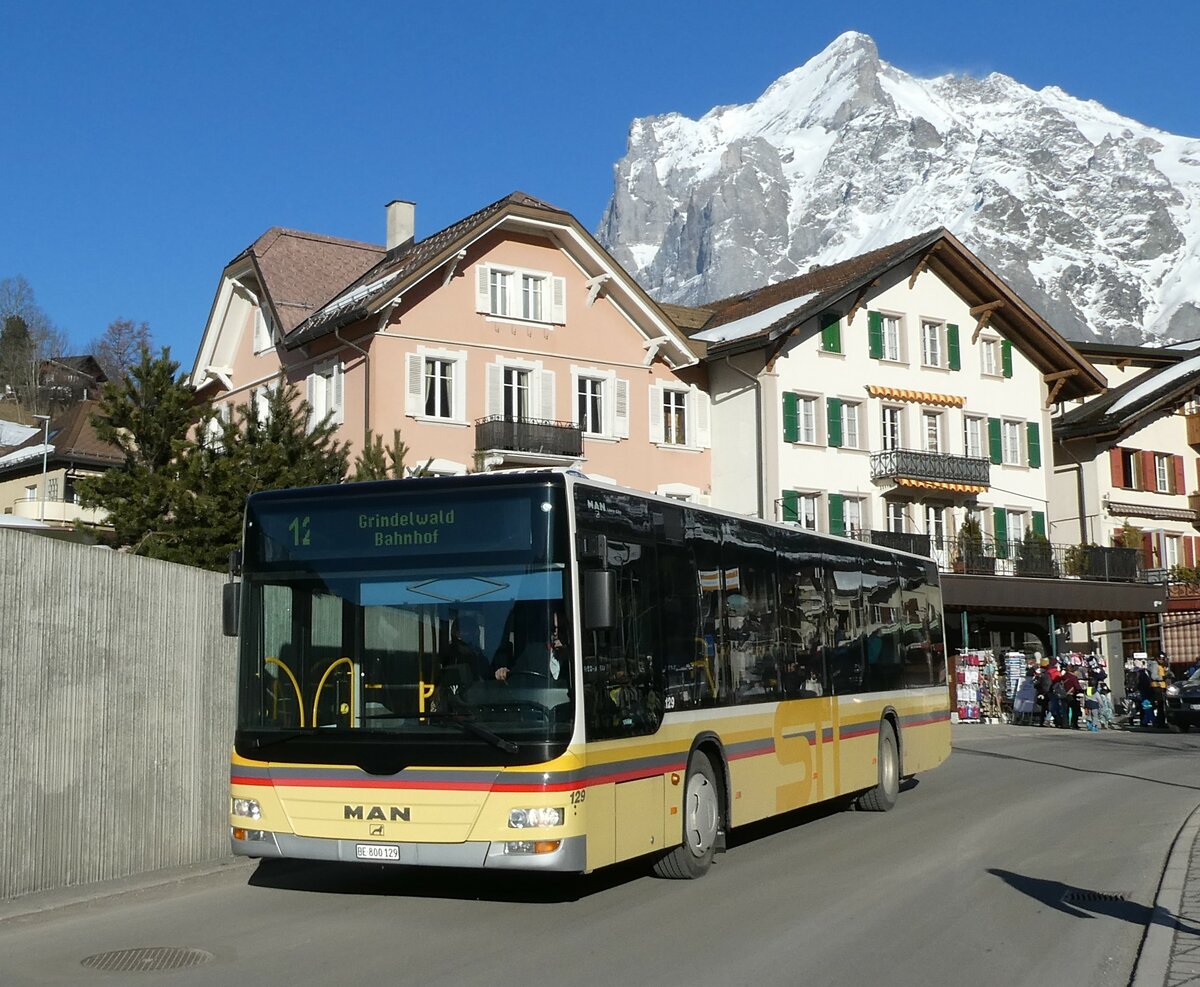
[[1153, 963], [37, 902]]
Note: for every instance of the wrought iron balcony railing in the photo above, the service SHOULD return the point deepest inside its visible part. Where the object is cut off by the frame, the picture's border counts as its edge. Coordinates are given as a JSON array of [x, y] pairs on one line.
[[916, 464], [1034, 558], [531, 435]]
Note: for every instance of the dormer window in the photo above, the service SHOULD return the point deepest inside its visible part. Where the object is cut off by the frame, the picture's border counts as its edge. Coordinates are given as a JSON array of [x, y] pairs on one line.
[[522, 295]]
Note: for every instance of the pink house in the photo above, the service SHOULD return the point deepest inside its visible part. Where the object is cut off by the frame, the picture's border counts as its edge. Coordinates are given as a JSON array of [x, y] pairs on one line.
[[508, 339]]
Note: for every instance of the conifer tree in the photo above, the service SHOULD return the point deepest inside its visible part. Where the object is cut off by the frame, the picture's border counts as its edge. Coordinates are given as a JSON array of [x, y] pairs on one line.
[[380, 462], [146, 414], [255, 448]]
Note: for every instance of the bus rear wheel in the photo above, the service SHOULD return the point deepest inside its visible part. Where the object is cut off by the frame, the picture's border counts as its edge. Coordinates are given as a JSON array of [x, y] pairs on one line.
[[882, 797], [701, 824]]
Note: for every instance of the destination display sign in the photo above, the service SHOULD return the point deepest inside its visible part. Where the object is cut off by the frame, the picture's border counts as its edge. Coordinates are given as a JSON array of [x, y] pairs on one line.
[[340, 527]]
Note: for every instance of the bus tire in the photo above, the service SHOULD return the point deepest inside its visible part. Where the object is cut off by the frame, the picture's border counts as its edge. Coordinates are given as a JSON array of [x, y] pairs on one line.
[[701, 824], [882, 797]]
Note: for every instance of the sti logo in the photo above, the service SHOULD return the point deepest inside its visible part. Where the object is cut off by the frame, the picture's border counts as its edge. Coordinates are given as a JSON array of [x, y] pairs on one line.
[[394, 812]]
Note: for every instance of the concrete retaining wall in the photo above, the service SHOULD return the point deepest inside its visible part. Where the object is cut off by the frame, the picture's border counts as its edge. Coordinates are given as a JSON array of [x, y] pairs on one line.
[[116, 715]]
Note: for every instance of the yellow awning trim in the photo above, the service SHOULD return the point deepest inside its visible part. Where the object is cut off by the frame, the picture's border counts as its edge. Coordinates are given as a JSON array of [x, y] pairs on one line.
[[905, 481], [920, 397]]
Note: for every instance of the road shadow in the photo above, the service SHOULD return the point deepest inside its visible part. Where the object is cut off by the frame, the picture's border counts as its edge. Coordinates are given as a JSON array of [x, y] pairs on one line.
[[328, 877], [1085, 903]]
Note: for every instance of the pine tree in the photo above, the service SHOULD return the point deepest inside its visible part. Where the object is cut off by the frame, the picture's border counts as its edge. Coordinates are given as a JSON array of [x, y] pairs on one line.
[[146, 414], [379, 462], [229, 459]]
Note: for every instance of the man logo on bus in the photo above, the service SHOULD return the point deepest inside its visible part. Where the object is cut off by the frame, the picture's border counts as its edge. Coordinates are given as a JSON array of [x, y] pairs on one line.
[[394, 812]]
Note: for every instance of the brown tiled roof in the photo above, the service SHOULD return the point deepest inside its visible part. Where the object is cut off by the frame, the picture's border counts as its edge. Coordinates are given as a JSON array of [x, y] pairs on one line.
[[301, 271], [823, 282], [354, 298], [75, 440], [688, 318]]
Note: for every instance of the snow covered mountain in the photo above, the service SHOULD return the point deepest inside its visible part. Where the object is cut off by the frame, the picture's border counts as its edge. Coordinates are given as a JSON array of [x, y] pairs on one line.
[[1092, 217]]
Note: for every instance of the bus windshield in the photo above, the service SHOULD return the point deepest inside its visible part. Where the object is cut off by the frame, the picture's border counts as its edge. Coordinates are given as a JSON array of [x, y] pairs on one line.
[[408, 614]]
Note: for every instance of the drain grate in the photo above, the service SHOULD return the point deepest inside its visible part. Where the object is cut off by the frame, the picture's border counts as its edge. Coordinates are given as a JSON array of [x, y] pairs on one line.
[[1077, 896], [147, 958]]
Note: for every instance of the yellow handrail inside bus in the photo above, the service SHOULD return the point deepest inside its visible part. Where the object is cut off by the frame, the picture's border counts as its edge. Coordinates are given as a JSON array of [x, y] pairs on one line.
[[321, 684], [425, 691], [295, 685]]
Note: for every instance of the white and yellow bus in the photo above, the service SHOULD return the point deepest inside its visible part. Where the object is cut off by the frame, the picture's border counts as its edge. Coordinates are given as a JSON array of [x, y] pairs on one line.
[[536, 671]]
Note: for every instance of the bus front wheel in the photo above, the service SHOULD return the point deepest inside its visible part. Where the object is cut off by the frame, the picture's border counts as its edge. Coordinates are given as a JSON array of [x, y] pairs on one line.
[[701, 824], [882, 797]]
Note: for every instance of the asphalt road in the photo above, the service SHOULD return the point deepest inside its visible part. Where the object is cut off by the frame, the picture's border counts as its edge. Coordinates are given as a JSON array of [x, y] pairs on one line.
[[1030, 857]]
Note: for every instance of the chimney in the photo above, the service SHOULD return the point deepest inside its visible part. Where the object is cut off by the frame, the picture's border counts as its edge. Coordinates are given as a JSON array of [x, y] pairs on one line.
[[400, 223]]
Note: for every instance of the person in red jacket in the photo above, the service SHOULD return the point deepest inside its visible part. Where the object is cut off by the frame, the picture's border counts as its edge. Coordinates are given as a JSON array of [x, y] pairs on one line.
[[1071, 690]]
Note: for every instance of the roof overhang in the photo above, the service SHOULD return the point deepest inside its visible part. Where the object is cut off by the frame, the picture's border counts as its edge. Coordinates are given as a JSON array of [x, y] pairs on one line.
[[1066, 599]]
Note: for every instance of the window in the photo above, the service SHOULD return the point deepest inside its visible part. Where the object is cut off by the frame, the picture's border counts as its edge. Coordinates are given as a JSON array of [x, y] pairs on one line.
[[935, 524], [52, 488], [439, 388], [973, 436], [515, 293], [895, 516], [1128, 477], [325, 394], [1170, 551], [501, 283], [260, 401], [850, 425], [674, 418], [892, 437], [988, 359], [1011, 448], [31, 492], [806, 511], [590, 396], [1018, 525], [852, 513], [891, 337], [931, 344], [932, 422], [531, 297], [516, 394], [806, 419], [1163, 468]]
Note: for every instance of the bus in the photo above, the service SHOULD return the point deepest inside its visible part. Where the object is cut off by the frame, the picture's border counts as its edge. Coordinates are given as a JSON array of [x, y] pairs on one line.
[[534, 670]]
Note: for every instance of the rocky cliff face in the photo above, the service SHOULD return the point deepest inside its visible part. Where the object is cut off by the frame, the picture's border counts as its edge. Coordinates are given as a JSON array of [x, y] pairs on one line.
[[1093, 218]]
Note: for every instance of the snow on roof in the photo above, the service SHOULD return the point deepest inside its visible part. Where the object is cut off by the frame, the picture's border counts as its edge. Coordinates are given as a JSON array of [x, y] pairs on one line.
[[26, 453], [757, 322], [1157, 383], [14, 433], [12, 521]]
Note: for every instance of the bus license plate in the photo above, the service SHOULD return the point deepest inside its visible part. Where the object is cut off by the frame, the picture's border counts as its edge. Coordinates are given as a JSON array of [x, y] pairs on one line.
[[373, 851]]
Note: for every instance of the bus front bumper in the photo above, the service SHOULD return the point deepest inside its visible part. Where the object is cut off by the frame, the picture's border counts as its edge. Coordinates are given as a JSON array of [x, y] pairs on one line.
[[570, 857]]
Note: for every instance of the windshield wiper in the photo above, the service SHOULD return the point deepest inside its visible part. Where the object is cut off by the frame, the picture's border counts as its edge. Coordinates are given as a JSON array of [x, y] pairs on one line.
[[258, 743], [470, 726]]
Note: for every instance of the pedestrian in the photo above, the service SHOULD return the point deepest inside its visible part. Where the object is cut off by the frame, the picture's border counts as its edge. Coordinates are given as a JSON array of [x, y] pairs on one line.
[[1091, 707], [1107, 719], [1069, 691]]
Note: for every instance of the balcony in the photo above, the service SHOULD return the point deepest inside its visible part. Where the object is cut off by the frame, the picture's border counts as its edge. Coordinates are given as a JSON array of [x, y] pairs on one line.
[[58, 512], [930, 467], [541, 441], [1033, 559]]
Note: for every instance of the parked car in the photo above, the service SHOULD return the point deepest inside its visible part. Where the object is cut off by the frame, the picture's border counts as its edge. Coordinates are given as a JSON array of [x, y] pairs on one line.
[[1183, 702]]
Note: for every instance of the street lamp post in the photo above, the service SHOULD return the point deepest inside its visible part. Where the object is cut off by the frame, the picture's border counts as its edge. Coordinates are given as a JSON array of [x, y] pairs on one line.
[[45, 452]]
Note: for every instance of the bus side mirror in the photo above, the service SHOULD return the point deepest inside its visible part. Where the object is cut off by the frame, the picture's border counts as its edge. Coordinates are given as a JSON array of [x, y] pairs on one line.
[[599, 588], [230, 610]]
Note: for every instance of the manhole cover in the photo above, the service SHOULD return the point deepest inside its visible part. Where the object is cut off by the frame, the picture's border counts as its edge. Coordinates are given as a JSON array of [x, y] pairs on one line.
[[1074, 896], [147, 958]]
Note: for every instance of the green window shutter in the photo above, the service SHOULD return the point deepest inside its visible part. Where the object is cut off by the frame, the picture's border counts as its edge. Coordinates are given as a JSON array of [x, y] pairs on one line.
[[791, 505], [1039, 523], [837, 515], [1034, 445], [791, 417], [875, 335], [952, 353], [833, 420], [831, 333], [1000, 527], [994, 446], [1006, 357]]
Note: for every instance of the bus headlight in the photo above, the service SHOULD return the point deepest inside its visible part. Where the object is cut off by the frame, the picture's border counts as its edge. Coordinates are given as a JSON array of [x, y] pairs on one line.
[[1172, 690], [247, 808], [532, 818]]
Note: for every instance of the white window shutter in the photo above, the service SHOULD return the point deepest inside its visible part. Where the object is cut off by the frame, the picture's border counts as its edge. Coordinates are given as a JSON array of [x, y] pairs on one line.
[[483, 295], [620, 403], [314, 414], [547, 395], [339, 394], [656, 413], [414, 391], [495, 389], [459, 370], [558, 294], [698, 415]]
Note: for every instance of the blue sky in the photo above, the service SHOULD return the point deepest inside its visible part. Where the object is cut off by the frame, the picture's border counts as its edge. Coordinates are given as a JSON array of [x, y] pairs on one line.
[[149, 143]]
